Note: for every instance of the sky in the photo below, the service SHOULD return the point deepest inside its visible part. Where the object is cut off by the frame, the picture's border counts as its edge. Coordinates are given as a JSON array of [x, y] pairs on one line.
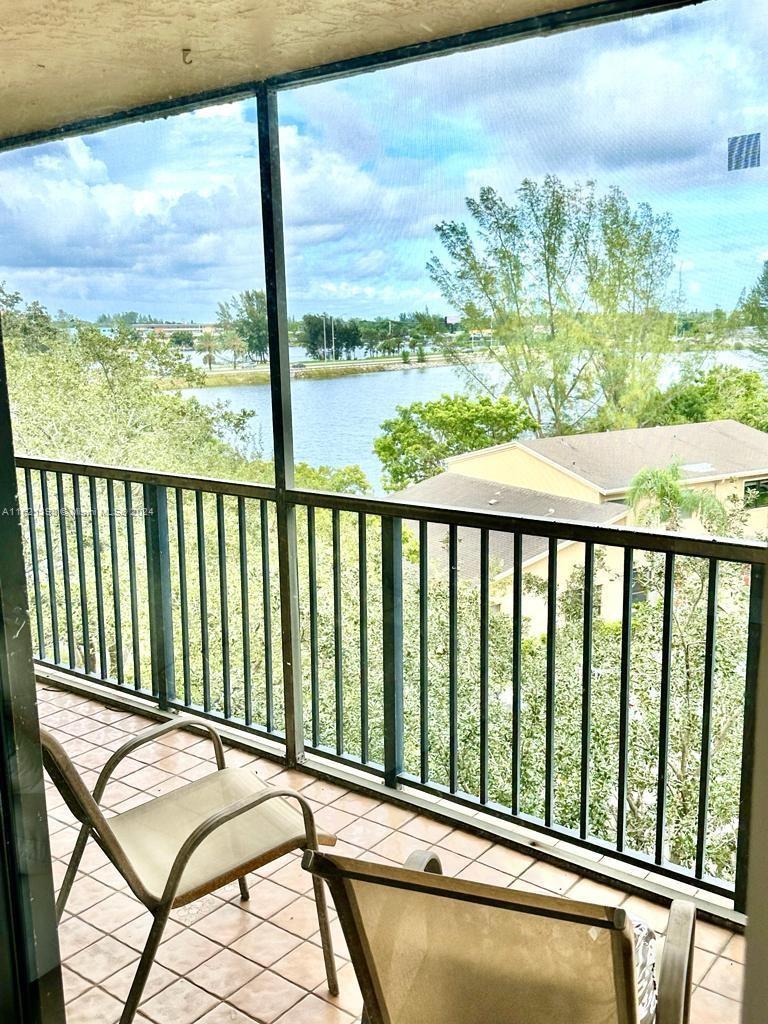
[[164, 217]]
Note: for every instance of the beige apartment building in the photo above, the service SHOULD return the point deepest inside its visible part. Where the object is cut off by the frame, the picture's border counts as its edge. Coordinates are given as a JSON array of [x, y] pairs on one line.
[[585, 478]]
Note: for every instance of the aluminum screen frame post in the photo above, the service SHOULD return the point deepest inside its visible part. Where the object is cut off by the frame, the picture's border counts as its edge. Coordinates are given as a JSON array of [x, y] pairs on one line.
[[159, 594], [282, 419], [30, 965], [392, 625]]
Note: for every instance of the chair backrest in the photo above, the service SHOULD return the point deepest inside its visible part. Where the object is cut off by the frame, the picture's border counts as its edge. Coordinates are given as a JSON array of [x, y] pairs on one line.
[[434, 950], [70, 785]]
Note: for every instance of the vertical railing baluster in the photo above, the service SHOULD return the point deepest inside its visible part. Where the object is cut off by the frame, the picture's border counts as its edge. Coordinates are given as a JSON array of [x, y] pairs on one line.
[[267, 608], [484, 642], [81, 574], [453, 658], [424, 649], [245, 611], [362, 571], [586, 686], [338, 654], [133, 586], [71, 653], [223, 605], [51, 566], [706, 714], [517, 664], [624, 690], [113, 555], [756, 656], [202, 576], [33, 554], [159, 594], [549, 752], [314, 670], [100, 627], [181, 541], [666, 669], [392, 636]]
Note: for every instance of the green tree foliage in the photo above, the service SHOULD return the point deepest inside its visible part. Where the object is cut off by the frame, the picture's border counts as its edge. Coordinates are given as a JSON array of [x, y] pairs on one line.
[[184, 339], [210, 345], [573, 286], [324, 336], [414, 443], [659, 496], [724, 392], [245, 315], [754, 308]]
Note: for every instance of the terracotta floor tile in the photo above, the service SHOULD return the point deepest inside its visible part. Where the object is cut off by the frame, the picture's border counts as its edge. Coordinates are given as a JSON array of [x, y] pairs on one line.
[[180, 761], [304, 966], [313, 1010], [73, 984], [710, 1008], [365, 833], [736, 948], [357, 804], [465, 843], [711, 936], [267, 943], [75, 935], [225, 1014], [119, 984], [116, 910], [266, 997], [391, 815], [186, 951], [702, 961], [109, 875], [225, 973], [477, 872], [398, 846], [227, 923], [726, 977], [293, 876], [452, 863], [102, 959], [192, 912], [94, 1007], [291, 779], [595, 892], [324, 792], [550, 877], [180, 1003], [299, 917], [86, 892], [333, 819], [349, 997], [426, 829], [136, 932], [267, 898]]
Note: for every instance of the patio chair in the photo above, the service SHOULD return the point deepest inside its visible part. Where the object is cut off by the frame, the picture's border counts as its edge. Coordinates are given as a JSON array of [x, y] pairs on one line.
[[434, 950], [178, 847]]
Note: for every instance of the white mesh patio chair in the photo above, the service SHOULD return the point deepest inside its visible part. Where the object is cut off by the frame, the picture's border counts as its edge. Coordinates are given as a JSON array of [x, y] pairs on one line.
[[178, 847], [433, 950]]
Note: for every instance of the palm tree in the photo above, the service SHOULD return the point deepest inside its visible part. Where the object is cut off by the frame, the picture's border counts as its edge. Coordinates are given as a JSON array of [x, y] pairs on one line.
[[209, 345], [659, 495]]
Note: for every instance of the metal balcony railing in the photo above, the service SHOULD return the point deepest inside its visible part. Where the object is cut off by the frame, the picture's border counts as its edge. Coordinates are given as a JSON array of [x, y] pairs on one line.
[[365, 636]]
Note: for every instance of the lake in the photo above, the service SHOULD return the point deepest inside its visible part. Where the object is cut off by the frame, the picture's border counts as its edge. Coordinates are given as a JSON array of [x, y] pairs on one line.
[[335, 421]]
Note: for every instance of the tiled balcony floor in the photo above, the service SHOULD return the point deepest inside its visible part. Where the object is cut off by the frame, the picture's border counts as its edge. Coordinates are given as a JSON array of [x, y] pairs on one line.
[[227, 962]]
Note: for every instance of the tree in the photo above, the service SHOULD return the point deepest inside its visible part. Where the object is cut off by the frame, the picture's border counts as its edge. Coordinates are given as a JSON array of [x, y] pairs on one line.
[[315, 336], [572, 286], [659, 496], [246, 316], [724, 392], [414, 443], [209, 345], [184, 339]]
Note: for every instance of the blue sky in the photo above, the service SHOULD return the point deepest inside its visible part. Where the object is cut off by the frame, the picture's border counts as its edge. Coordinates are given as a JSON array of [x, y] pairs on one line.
[[164, 217]]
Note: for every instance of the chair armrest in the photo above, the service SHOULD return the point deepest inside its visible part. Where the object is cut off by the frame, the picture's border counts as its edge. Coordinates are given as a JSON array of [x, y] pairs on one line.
[[424, 860], [148, 736], [219, 818], [674, 981]]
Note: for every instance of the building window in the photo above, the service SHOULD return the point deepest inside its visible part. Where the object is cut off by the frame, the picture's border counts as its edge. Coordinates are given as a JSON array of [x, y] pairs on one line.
[[756, 493]]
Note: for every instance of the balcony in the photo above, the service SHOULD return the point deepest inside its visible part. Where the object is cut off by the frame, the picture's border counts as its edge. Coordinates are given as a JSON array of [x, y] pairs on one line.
[[158, 594]]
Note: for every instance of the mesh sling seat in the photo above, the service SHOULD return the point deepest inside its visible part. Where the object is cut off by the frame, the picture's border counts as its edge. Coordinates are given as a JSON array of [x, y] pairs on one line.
[[178, 847], [434, 950]]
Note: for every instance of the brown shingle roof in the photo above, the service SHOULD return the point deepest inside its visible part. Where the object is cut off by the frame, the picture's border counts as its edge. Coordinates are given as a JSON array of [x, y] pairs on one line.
[[458, 490], [720, 448]]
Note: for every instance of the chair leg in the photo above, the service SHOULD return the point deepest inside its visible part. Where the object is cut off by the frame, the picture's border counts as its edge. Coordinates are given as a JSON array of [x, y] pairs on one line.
[[244, 894], [145, 965], [71, 872], [325, 935]]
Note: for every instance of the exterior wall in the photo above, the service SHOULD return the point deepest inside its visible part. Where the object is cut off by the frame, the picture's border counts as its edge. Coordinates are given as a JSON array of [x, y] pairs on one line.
[[516, 467], [569, 557]]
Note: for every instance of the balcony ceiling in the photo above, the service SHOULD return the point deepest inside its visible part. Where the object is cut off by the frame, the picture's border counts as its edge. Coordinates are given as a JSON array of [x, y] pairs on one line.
[[80, 59]]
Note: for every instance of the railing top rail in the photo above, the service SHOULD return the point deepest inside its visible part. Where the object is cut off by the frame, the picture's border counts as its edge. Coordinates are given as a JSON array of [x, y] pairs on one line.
[[238, 488], [639, 538]]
